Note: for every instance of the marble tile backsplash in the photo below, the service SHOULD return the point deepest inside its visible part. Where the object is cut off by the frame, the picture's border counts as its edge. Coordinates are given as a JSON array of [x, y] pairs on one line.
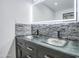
[[49, 29], [22, 29], [70, 30]]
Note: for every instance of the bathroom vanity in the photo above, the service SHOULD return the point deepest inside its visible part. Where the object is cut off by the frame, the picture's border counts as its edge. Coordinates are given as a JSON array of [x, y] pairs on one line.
[[35, 47], [45, 14]]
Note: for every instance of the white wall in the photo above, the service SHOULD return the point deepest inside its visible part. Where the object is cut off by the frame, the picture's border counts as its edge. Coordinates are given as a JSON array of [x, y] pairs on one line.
[[7, 25], [12, 51], [10, 10], [59, 14], [42, 13], [23, 11]]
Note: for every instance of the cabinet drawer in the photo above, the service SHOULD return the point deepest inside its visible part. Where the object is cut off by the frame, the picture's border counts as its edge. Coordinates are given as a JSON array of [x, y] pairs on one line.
[[25, 54], [21, 42], [30, 47]]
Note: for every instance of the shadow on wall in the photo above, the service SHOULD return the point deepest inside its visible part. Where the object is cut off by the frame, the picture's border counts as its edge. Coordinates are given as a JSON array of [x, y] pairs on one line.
[[12, 51]]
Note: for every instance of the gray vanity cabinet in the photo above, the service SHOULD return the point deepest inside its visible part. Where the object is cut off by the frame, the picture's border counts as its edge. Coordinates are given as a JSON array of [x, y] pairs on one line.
[[45, 52], [27, 49]]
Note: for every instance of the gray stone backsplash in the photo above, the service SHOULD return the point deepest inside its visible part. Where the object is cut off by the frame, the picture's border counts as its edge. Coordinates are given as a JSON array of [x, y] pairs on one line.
[[22, 29], [49, 29], [70, 30]]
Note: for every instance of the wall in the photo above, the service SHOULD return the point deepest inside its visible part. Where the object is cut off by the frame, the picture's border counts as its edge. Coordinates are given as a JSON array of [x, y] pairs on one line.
[[12, 53], [42, 13], [7, 25], [10, 10], [23, 11]]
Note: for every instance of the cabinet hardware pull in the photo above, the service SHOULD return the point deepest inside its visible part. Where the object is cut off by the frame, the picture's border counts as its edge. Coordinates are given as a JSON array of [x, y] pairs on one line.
[[29, 48], [20, 43], [46, 56], [28, 56]]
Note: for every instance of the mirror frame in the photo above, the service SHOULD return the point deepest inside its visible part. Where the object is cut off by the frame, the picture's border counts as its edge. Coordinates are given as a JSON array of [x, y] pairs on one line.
[[58, 21]]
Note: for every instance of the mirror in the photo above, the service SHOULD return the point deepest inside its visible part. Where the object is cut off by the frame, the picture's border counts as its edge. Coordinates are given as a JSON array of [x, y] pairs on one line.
[[50, 10]]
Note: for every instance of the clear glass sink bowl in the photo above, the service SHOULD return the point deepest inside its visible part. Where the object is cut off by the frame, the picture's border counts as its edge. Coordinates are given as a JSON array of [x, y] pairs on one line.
[[56, 42]]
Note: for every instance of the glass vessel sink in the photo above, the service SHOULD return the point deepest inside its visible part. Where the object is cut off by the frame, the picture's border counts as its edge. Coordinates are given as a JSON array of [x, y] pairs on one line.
[[29, 37], [32, 37], [56, 42], [51, 41]]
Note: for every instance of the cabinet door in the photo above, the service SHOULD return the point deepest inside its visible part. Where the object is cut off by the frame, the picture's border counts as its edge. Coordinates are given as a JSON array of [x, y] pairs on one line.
[[44, 52], [27, 51], [20, 42], [18, 52], [25, 54], [45, 55], [31, 48], [22, 53]]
